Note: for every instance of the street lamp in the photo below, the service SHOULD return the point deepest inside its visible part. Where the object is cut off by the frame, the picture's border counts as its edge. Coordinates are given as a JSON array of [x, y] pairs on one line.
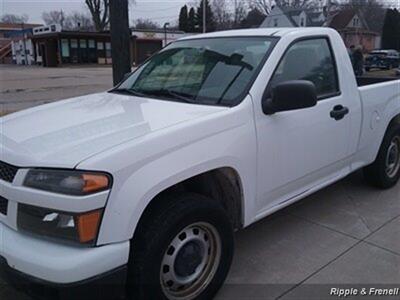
[[165, 32]]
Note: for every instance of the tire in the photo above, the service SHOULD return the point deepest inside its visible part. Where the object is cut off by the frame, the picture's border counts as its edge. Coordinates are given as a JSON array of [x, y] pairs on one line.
[[171, 226], [380, 174], [367, 69]]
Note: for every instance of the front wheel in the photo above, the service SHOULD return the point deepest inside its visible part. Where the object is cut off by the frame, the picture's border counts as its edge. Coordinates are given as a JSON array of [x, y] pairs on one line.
[[182, 250], [385, 171]]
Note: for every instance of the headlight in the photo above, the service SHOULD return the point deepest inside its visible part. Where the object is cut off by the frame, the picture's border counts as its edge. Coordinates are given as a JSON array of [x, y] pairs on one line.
[[72, 182], [82, 228]]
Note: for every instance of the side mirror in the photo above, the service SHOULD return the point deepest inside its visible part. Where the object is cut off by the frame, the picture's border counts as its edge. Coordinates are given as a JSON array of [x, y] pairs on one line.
[[290, 95]]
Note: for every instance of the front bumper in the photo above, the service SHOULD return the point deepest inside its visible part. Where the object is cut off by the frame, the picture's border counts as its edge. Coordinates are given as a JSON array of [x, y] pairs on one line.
[[110, 285], [58, 263], [55, 271]]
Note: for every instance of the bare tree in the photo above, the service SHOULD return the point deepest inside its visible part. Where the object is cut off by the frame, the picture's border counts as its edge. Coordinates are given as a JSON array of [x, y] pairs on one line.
[[14, 19], [253, 19], [223, 17], [79, 21], [100, 12], [239, 12], [73, 21], [54, 17], [373, 12], [146, 24], [265, 6]]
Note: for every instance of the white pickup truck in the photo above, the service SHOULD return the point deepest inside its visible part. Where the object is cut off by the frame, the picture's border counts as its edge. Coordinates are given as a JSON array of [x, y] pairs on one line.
[[144, 185]]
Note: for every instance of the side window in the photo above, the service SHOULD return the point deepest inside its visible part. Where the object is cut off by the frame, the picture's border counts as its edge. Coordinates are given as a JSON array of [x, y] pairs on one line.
[[309, 60]]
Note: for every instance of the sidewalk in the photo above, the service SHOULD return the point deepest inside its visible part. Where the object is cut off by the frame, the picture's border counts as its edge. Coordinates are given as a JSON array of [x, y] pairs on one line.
[[345, 235]]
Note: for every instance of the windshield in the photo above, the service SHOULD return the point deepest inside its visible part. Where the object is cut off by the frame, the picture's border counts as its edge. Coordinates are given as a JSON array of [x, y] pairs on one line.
[[216, 71]]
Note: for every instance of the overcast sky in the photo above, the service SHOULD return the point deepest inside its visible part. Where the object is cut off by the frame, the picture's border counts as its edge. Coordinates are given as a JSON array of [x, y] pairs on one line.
[[159, 11]]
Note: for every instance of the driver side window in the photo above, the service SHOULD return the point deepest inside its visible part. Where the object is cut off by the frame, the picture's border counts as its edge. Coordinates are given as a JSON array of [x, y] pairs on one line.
[[309, 60]]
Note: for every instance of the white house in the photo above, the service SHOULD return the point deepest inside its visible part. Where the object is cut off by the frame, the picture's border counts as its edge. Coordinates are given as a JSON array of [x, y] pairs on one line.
[[355, 30], [289, 17]]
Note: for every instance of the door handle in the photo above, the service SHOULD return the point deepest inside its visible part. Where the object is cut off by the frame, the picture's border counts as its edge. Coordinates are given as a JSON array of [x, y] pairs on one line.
[[338, 112]]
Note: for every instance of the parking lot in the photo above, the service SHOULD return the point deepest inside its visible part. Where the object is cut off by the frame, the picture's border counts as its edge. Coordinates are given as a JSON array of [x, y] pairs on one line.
[[345, 235], [22, 86]]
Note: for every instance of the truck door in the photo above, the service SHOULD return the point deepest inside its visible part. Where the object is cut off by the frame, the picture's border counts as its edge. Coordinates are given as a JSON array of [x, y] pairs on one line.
[[301, 148]]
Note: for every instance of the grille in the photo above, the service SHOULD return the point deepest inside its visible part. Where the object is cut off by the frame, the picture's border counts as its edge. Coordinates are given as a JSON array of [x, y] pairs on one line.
[[7, 172], [3, 205]]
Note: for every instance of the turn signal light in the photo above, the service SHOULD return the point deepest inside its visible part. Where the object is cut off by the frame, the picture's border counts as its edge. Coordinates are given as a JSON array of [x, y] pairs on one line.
[[80, 228], [88, 226]]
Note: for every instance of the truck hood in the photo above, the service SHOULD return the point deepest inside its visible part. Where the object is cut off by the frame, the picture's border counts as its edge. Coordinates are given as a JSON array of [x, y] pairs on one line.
[[64, 133]]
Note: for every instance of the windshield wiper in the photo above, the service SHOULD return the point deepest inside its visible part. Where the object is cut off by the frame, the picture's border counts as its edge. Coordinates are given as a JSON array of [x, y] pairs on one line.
[[126, 91], [156, 93], [174, 94], [182, 96]]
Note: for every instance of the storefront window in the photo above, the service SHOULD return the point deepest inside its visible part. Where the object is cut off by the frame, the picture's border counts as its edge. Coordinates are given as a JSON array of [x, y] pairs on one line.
[[92, 44], [74, 43], [65, 48], [108, 50], [82, 44], [74, 51]]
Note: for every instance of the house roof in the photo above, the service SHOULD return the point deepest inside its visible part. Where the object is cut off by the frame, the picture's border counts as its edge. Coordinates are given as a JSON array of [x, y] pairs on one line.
[[157, 30], [313, 15], [66, 33], [292, 13], [17, 26], [376, 21], [342, 18]]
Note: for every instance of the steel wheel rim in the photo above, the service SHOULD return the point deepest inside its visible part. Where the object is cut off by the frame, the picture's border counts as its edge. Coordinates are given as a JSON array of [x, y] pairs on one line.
[[393, 158], [205, 240]]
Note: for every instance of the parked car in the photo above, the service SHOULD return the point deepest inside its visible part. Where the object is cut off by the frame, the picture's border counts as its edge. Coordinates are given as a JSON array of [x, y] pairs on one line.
[[144, 185], [382, 59]]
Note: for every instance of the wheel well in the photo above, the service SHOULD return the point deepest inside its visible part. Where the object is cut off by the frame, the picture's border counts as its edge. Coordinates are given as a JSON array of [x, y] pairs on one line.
[[222, 185], [395, 120]]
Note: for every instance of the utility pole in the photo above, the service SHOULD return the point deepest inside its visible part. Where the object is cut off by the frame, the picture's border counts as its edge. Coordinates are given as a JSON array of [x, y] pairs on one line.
[[166, 33], [204, 16], [24, 42], [236, 13], [120, 39]]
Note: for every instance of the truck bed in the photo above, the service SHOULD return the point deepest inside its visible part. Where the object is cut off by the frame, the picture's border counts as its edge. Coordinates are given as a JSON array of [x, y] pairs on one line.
[[380, 100], [368, 80]]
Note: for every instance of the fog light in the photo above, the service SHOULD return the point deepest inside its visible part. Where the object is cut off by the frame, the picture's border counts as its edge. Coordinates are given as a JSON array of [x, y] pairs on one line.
[[82, 228]]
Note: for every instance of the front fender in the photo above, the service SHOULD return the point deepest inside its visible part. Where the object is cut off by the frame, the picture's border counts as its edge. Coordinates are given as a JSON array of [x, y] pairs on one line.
[[196, 149]]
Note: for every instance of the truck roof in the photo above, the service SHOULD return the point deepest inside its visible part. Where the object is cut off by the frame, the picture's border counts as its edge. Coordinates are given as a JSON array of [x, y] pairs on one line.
[[276, 31]]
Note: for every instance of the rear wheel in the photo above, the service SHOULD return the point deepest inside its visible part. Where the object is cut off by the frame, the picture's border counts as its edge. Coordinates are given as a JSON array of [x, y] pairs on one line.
[[181, 251], [385, 171]]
